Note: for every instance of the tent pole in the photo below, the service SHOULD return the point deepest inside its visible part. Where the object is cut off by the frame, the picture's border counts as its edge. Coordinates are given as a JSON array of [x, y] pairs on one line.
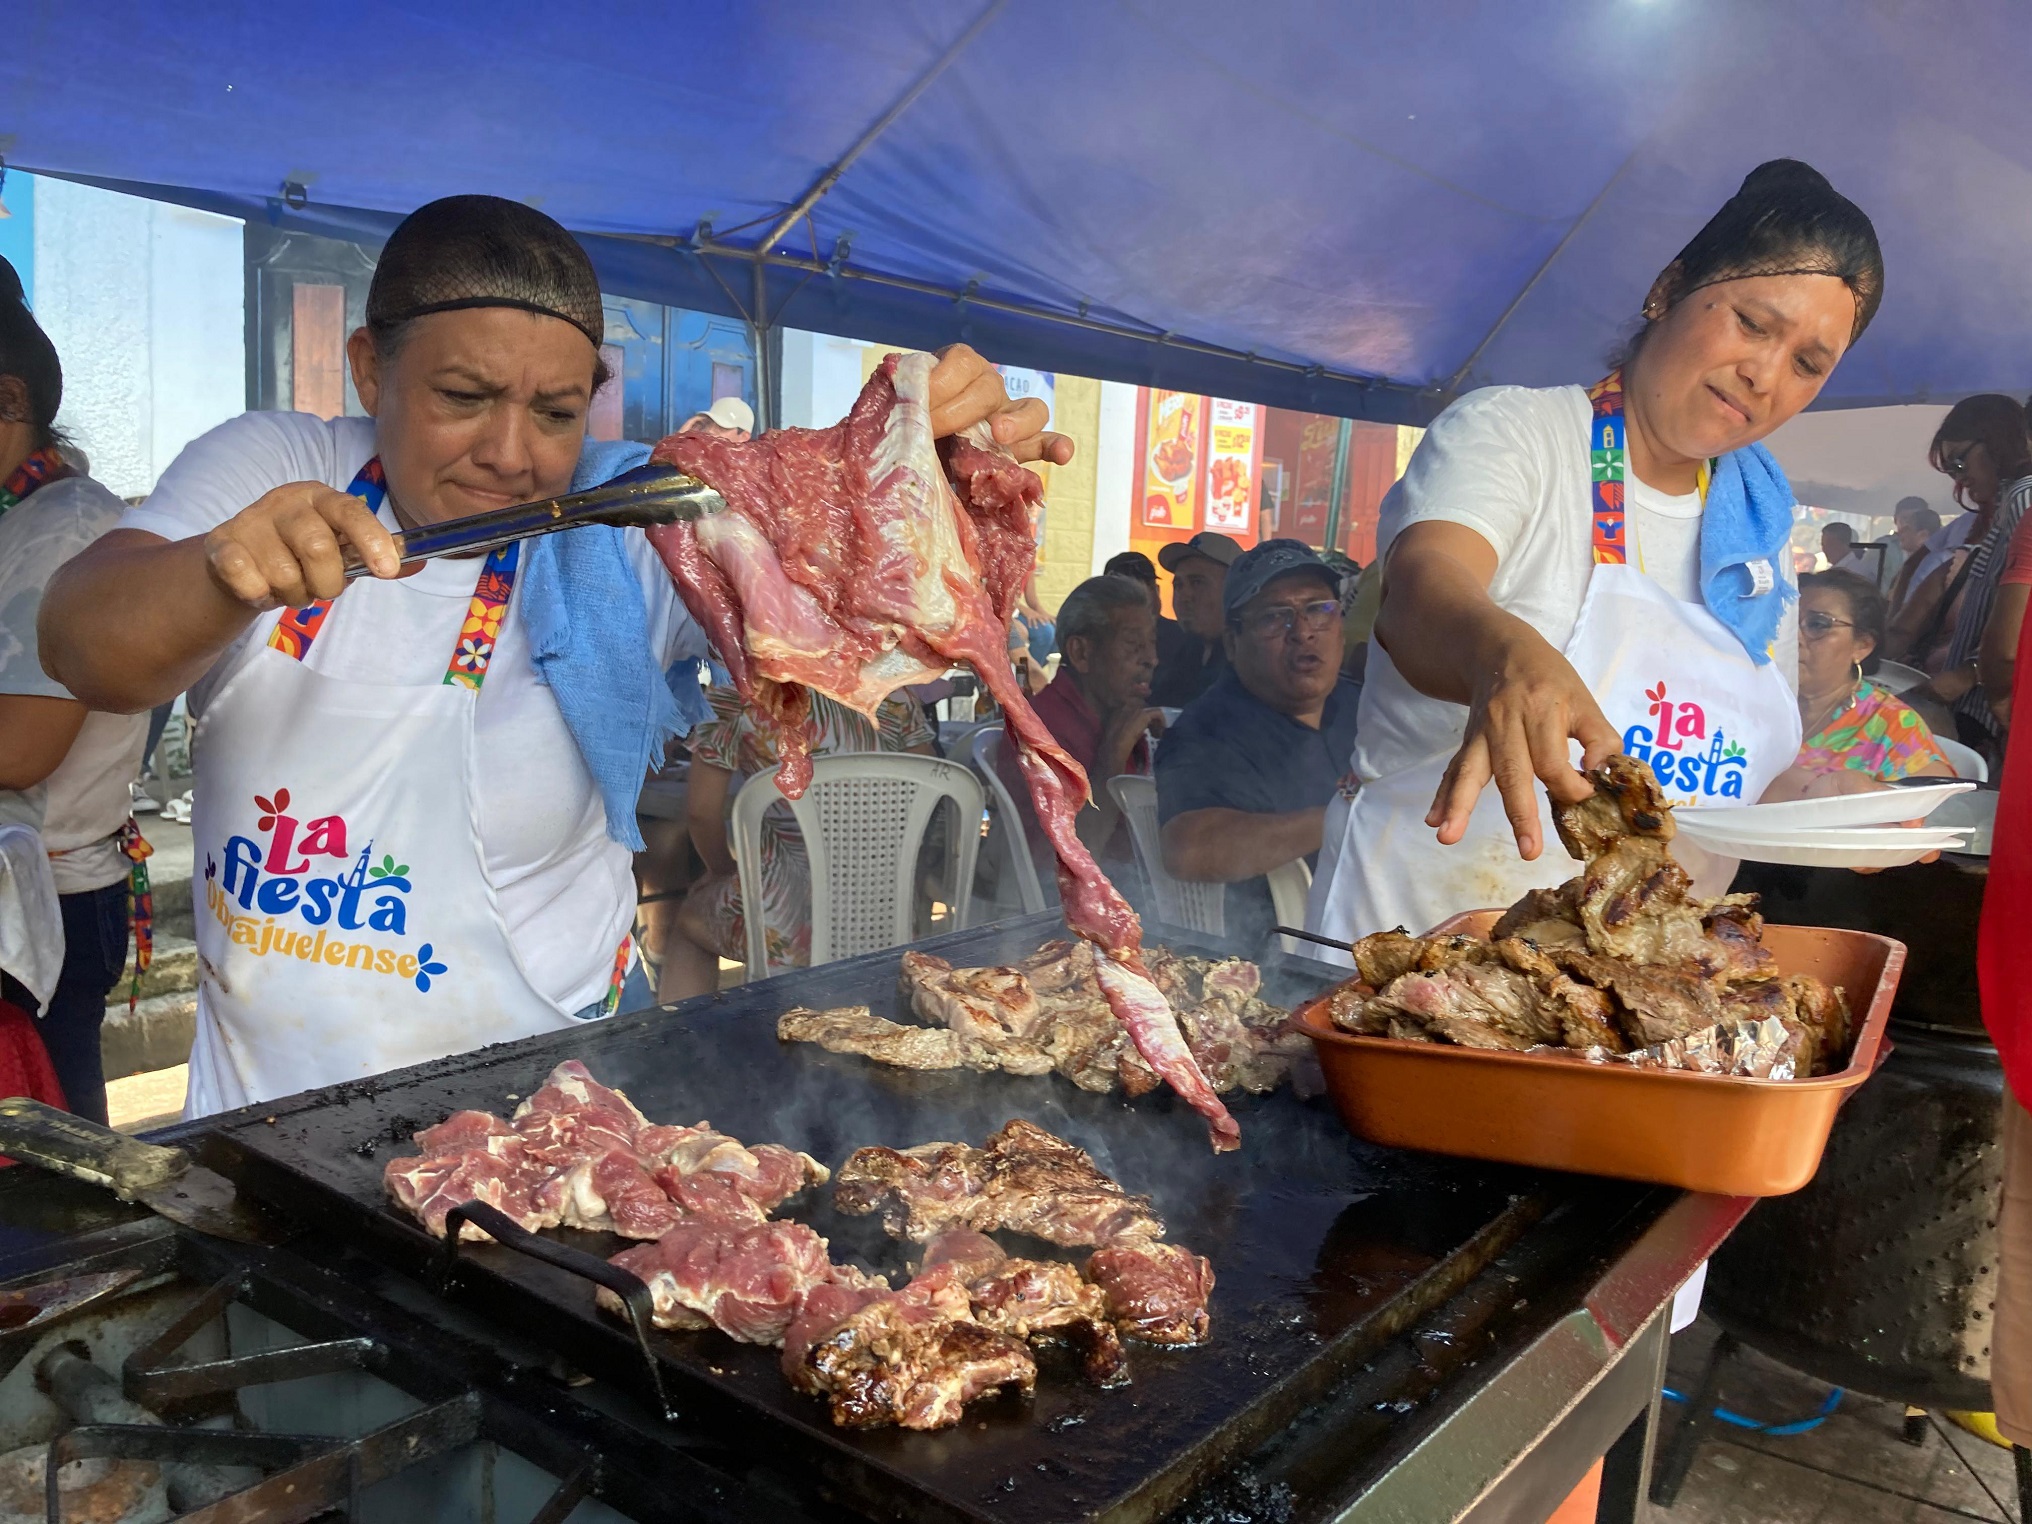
[[1340, 485], [759, 325], [1454, 381], [831, 177]]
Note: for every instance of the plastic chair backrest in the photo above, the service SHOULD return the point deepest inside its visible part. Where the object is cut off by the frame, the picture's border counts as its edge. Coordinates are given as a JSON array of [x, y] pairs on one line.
[[1196, 907], [1968, 762], [1896, 676], [986, 753], [1290, 885], [863, 821]]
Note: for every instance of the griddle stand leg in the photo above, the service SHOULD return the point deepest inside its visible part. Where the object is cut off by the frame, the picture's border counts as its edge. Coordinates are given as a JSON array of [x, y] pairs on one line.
[[1626, 1469], [1695, 1423]]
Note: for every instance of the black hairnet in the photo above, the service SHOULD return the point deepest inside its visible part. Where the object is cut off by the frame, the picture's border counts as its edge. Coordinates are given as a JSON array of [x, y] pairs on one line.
[[1788, 220], [25, 351], [483, 251]]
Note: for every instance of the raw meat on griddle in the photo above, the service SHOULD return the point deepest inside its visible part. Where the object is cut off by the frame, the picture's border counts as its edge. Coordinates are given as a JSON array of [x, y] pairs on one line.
[[748, 1282], [1025, 1180], [580, 1155], [845, 562]]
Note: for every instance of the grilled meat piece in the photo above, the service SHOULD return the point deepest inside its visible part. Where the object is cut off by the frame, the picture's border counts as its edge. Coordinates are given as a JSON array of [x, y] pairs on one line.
[[969, 1253], [1586, 1016], [1626, 802], [1732, 947], [1385, 956], [1653, 1004], [1046, 1299], [1481, 994], [893, 1361], [1025, 1180], [986, 1004], [852, 1029], [1156, 1292], [1823, 1014], [1549, 917]]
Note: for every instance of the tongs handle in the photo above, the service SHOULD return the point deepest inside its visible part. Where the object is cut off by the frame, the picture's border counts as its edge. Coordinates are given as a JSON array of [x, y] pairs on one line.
[[650, 494]]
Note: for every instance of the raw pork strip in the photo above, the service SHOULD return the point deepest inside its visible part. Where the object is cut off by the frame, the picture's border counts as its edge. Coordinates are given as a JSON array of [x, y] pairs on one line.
[[846, 563], [748, 1282]]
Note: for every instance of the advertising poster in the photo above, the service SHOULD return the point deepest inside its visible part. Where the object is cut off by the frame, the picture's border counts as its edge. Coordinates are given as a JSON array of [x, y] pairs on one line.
[[1170, 456], [1234, 455], [1317, 444]]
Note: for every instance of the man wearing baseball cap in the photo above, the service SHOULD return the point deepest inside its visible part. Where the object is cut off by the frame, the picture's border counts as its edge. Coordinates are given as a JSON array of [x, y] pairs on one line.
[[728, 418], [1245, 776], [1187, 667]]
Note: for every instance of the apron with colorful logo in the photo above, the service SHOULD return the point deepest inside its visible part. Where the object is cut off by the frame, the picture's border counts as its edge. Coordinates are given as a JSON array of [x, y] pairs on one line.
[[345, 921], [1675, 682]]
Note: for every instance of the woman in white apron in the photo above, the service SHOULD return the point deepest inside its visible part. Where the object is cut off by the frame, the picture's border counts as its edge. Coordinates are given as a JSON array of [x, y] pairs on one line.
[[1605, 566], [415, 795]]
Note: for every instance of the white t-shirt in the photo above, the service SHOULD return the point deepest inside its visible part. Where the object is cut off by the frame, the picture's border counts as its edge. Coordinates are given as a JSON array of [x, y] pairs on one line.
[[81, 806], [1511, 463], [566, 890]]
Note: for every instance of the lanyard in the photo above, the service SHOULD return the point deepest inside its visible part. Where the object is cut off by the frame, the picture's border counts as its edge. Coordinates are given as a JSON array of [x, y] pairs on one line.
[[1608, 465], [474, 648]]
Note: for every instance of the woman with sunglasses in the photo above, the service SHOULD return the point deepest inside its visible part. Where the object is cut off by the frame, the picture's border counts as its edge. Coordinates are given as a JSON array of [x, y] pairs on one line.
[[1605, 564], [1982, 446], [1859, 736]]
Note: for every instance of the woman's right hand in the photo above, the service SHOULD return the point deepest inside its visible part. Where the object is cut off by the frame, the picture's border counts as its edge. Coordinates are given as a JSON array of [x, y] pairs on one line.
[[1527, 704], [285, 548]]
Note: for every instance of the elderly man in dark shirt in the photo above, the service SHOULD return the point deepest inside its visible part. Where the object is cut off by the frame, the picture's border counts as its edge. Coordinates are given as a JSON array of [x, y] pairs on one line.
[[1098, 709], [1187, 667], [1245, 776]]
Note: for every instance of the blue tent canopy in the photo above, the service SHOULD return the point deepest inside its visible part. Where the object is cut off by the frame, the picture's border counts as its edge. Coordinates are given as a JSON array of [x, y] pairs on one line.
[[1345, 207]]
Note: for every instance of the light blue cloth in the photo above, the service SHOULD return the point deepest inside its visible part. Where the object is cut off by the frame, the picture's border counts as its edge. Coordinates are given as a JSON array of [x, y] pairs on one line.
[[588, 628], [1747, 518]]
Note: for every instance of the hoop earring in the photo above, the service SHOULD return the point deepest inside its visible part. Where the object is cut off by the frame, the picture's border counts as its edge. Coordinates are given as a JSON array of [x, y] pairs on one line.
[[1859, 674]]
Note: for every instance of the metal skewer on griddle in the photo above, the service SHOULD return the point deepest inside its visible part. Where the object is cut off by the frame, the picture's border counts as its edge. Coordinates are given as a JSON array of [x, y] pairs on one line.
[[1312, 936], [638, 499]]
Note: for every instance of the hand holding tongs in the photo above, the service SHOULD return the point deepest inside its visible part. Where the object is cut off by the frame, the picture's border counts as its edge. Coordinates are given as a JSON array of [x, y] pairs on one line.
[[650, 494]]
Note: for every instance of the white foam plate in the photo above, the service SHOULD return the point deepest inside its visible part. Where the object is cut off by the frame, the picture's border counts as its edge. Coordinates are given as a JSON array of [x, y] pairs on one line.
[[1887, 847], [1879, 807]]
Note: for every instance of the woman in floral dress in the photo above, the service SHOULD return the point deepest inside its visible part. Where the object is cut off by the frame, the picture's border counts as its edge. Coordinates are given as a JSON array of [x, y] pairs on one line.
[[1859, 736]]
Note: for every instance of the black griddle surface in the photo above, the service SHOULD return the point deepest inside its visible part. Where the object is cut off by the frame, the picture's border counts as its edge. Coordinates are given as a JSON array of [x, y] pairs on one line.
[[1322, 1246]]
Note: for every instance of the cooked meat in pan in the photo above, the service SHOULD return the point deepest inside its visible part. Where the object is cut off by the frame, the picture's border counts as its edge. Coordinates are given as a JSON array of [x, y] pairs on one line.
[[1621, 958]]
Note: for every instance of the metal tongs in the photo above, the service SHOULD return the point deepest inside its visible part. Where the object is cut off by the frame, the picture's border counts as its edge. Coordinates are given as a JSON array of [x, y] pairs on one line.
[[648, 495]]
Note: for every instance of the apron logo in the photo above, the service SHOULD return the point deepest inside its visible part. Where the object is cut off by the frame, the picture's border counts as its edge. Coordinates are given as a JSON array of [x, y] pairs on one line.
[[278, 882], [1692, 774]]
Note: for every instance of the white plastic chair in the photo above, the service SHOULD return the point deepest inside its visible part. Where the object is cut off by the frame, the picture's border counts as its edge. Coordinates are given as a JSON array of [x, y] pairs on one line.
[[1896, 676], [1968, 762], [1198, 906], [863, 821], [986, 754]]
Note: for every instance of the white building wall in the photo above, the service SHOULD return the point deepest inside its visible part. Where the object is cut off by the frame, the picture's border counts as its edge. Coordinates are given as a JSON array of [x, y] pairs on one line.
[[144, 302], [1114, 472]]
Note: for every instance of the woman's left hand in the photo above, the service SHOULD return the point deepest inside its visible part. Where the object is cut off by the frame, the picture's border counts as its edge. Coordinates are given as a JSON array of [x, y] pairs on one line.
[[966, 390]]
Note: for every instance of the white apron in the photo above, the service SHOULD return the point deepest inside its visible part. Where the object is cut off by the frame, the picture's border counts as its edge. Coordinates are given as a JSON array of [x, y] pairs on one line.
[[1678, 686], [345, 921]]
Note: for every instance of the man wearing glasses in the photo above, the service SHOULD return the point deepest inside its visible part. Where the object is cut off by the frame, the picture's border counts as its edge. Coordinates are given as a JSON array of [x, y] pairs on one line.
[[1245, 776]]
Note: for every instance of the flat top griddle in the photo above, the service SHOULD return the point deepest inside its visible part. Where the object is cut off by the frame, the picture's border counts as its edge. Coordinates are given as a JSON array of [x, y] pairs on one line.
[[1323, 1246]]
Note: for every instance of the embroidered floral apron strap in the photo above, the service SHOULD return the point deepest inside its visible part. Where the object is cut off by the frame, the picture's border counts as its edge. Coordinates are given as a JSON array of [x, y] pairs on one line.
[[39, 470], [140, 903]]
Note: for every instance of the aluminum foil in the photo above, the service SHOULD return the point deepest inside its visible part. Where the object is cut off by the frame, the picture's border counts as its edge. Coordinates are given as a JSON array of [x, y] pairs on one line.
[[1764, 1049]]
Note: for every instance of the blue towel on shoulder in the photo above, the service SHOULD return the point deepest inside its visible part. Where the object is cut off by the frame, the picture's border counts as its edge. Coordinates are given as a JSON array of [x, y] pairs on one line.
[[1745, 556], [588, 626]]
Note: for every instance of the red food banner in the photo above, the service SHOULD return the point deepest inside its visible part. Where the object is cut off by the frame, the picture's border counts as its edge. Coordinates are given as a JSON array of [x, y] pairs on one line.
[[1318, 442], [1234, 466], [1171, 452]]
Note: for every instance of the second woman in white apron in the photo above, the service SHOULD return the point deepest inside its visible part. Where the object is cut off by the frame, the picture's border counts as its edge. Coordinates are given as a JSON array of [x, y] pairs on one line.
[[1605, 566]]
